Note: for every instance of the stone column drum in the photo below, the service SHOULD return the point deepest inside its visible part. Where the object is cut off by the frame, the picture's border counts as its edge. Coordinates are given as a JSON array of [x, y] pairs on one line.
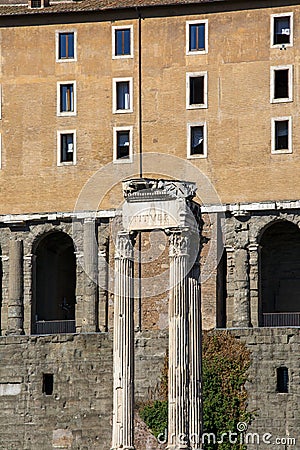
[[15, 301], [123, 350]]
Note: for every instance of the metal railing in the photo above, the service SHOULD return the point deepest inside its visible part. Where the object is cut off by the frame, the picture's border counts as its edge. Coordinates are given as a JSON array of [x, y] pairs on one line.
[[289, 319], [54, 326]]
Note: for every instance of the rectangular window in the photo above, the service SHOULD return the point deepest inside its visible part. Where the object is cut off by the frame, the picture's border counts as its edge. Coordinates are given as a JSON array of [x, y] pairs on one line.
[[66, 94], [196, 36], [66, 148], [282, 30], [122, 41], [123, 144], [122, 95], [282, 135], [197, 141], [66, 46], [282, 380], [281, 84], [196, 90], [48, 383]]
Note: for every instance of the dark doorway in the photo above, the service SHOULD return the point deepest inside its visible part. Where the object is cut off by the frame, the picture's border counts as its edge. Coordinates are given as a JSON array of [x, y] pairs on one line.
[[280, 275], [222, 291], [55, 270]]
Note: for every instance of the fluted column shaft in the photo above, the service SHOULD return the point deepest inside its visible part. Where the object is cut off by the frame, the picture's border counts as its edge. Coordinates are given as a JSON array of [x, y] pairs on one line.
[[123, 425], [178, 343], [90, 253], [15, 302], [195, 356]]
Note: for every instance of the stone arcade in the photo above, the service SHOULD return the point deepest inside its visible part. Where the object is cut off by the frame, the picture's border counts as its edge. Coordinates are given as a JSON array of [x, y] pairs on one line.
[[167, 205]]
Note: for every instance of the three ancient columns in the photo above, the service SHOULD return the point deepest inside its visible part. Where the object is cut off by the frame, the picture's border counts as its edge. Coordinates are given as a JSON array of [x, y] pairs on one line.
[[184, 427]]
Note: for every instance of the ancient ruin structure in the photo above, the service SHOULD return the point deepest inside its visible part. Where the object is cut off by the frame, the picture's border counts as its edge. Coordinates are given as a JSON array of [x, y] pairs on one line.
[[174, 98]]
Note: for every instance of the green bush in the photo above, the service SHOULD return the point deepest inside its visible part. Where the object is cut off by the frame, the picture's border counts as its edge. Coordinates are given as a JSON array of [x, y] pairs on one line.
[[225, 362]]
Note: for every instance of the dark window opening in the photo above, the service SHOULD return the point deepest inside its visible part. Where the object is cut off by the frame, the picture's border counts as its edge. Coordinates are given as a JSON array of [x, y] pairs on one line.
[[197, 137], [282, 30], [123, 95], [66, 46], [281, 83], [122, 42], [282, 380], [67, 147], [48, 383], [66, 98], [281, 135], [197, 37], [196, 90], [36, 3], [123, 144]]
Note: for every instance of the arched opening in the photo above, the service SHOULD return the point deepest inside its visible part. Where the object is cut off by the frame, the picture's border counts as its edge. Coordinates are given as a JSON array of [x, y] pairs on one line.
[[280, 275], [55, 283]]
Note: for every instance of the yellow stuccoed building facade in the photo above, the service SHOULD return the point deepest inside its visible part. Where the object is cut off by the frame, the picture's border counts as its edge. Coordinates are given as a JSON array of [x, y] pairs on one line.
[[94, 93]]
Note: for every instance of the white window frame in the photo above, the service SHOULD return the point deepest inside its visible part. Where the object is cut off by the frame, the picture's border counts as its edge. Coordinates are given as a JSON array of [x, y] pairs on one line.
[[272, 84], [66, 163], [272, 28], [190, 75], [196, 22], [65, 60], [122, 27], [115, 141], [189, 135], [66, 113], [114, 96], [273, 140]]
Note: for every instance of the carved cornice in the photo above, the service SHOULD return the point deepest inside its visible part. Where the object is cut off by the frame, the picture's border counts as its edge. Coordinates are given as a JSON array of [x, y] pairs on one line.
[[148, 189]]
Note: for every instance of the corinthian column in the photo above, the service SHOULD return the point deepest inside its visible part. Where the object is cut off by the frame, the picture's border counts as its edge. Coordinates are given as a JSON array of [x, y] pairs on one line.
[[90, 253], [178, 342], [123, 426], [195, 338], [15, 301]]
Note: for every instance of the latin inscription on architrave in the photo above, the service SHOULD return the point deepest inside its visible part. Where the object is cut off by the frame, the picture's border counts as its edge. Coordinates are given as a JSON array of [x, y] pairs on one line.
[[151, 215]]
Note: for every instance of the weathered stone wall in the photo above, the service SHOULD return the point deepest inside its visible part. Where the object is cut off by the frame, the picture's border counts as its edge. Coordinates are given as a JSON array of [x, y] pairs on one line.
[[277, 413], [79, 411]]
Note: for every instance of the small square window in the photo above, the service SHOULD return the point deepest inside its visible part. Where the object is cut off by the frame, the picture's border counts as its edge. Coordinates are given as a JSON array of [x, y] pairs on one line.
[[122, 95], [66, 46], [197, 37], [123, 144], [66, 93], [197, 145], [122, 42], [282, 135], [196, 90], [66, 148], [281, 84], [282, 30]]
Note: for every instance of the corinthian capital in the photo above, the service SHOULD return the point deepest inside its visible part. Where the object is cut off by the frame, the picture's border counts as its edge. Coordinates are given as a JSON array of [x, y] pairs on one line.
[[124, 245], [179, 243]]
